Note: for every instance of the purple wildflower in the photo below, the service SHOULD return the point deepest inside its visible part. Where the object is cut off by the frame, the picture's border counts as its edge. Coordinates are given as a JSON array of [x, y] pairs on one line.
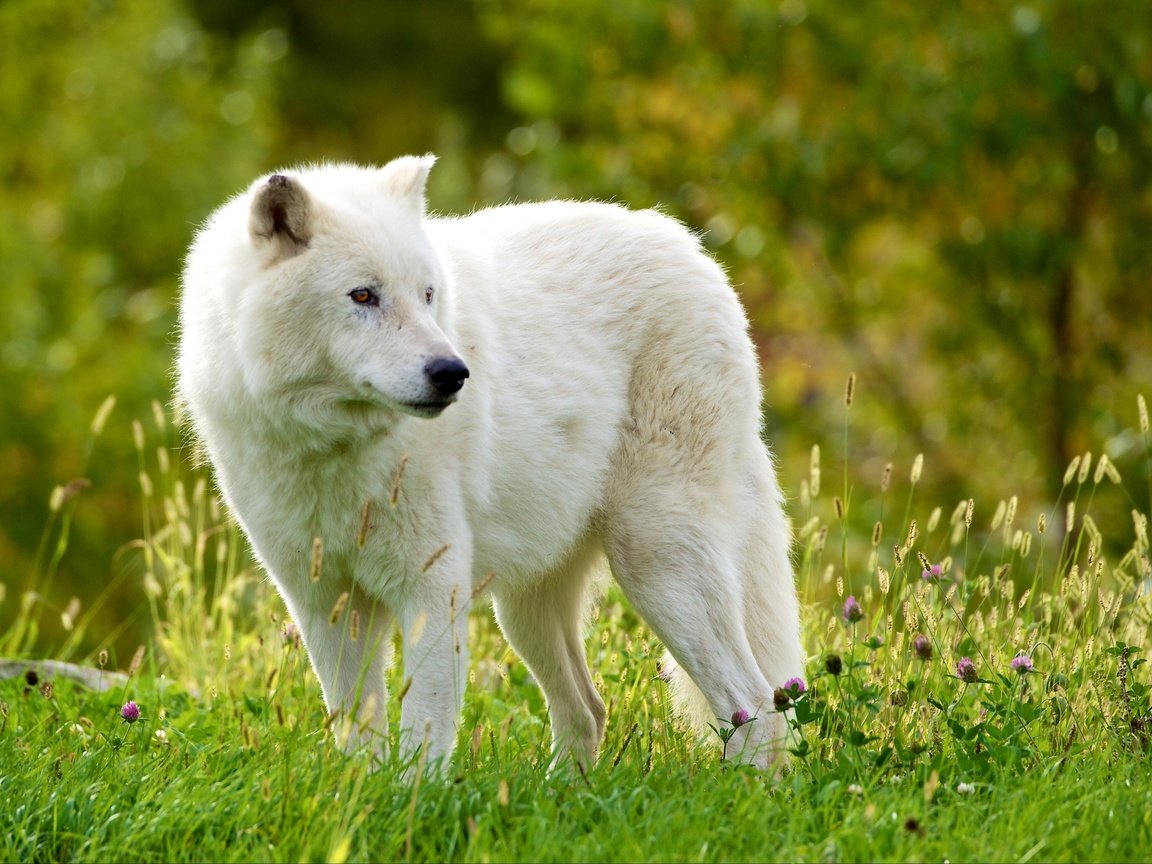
[[922, 647], [933, 574], [834, 664], [795, 687], [130, 712], [966, 670], [740, 717], [1022, 664], [852, 610]]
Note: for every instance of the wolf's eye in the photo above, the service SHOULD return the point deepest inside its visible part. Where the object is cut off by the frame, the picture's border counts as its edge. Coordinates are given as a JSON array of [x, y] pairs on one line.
[[364, 297], [428, 294]]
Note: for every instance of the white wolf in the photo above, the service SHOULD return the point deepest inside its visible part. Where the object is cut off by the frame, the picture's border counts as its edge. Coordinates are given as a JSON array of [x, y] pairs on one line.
[[488, 404]]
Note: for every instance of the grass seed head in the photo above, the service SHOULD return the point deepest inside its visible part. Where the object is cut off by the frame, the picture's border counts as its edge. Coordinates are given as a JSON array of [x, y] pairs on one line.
[[137, 659], [1140, 523], [434, 557], [913, 534], [68, 616], [998, 516], [1085, 467], [814, 472], [365, 523], [1070, 472], [1112, 473], [1101, 468], [397, 481], [158, 416], [338, 608], [934, 520], [958, 513], [101, 416], [317, 564]]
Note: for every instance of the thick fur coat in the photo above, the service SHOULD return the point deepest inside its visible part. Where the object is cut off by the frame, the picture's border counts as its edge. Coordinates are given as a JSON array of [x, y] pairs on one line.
[[406, 413]]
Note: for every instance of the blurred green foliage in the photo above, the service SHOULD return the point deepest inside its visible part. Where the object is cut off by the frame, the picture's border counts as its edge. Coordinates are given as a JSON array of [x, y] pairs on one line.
[[123, 125], [952, 200]]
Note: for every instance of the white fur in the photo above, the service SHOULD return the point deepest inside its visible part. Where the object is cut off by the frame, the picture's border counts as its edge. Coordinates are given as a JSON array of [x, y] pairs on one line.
[[612, 406]]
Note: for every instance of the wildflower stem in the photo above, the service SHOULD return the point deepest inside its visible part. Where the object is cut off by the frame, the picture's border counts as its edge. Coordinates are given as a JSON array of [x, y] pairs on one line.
[[848, 396]]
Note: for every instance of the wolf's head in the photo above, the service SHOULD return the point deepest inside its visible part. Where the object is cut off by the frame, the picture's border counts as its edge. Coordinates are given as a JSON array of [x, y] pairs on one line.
[[332, 303]]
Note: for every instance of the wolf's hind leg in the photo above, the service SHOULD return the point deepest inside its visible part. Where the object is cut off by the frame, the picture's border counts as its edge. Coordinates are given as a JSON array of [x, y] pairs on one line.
[[684, 580]]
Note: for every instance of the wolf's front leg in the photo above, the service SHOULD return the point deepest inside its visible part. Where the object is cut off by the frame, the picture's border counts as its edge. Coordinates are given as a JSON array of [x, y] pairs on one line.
[[347, 635], [435, 633]]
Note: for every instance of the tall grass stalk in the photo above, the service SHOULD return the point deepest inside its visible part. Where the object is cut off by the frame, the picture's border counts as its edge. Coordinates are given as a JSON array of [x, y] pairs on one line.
[[35, 596]]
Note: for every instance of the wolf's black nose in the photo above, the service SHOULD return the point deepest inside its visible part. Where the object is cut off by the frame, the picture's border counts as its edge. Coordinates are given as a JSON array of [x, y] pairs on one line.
[[447, 374]]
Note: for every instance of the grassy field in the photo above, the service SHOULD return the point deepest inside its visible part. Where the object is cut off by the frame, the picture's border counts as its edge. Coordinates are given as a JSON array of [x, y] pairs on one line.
[[976, 691]]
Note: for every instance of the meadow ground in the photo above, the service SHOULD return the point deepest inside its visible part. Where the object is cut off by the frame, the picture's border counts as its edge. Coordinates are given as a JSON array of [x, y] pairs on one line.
[[976, 690]]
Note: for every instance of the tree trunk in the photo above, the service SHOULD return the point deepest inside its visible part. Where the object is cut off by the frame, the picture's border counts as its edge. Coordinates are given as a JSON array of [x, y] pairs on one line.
[[1063, 372]]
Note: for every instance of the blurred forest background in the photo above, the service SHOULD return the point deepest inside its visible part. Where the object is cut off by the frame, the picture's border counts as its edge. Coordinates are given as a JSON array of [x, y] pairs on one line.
[[951, 199]]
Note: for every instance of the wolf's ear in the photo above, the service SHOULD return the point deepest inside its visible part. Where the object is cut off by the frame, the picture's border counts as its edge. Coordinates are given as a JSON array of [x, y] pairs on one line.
[[407, 177], [281, 216]]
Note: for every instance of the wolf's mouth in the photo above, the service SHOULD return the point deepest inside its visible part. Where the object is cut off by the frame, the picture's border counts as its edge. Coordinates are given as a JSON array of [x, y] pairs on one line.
[[367, 408], [425, 409]]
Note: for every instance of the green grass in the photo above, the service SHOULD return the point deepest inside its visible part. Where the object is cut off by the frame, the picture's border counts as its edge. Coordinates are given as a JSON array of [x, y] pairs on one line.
[[894, 757], [234, 785]]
